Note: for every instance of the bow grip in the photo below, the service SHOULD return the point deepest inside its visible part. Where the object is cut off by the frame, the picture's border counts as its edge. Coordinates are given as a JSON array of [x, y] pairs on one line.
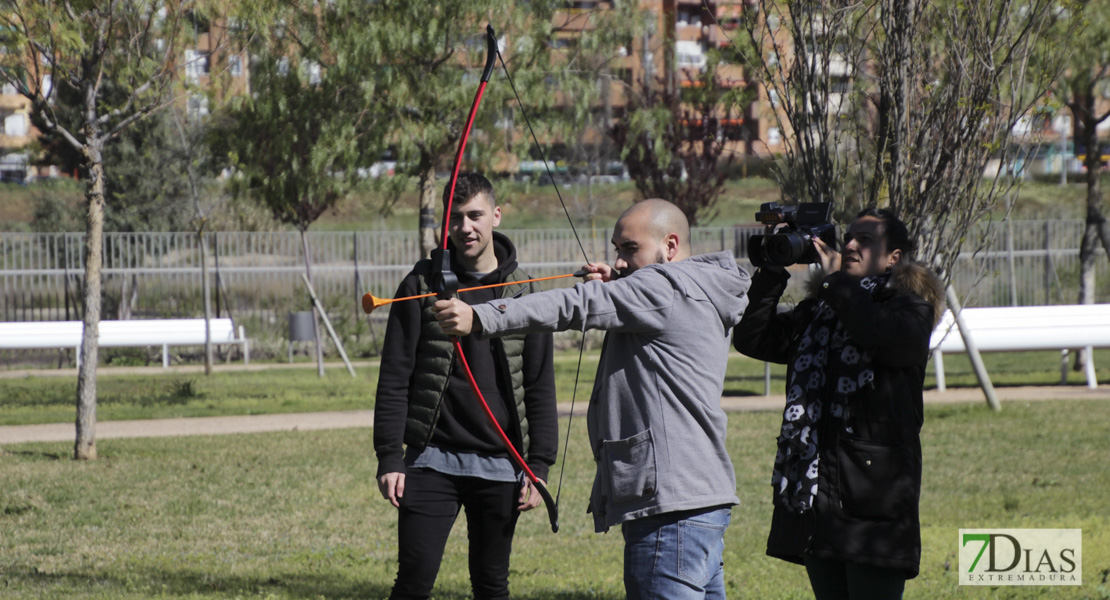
[[443, 280]]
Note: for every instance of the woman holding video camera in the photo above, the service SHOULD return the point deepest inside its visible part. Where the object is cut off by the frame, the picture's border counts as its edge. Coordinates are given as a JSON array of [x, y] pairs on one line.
[[847, 475]]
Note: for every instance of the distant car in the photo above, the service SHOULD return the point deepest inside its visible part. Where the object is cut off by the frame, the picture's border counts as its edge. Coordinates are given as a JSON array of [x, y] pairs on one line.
[[604, 179], [560, 178]]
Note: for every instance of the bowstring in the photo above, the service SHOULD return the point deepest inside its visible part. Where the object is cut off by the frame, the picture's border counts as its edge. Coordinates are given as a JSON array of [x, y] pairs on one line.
[[574, 230]]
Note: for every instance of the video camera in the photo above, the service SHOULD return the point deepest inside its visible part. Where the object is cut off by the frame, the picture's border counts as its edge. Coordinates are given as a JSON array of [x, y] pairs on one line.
[[792, 243]]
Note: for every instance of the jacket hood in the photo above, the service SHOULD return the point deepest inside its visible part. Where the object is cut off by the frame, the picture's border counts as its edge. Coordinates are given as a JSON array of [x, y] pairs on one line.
[[717, 278], [911, 277]]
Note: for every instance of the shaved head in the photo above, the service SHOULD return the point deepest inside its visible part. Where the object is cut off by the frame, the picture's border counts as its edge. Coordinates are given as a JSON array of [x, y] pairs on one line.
[[650, 232], [661, 218]]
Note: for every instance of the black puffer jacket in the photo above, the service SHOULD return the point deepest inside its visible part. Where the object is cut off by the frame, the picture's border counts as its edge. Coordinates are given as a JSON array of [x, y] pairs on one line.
[[869, 483]]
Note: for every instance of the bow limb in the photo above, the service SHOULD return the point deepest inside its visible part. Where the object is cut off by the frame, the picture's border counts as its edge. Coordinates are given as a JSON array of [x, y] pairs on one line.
[[443, 280], [445, 284], [549, 502]]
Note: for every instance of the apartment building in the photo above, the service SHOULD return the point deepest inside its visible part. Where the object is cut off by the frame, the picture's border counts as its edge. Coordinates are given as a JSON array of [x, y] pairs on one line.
[[672, 50], [208, 55], [18, 132]]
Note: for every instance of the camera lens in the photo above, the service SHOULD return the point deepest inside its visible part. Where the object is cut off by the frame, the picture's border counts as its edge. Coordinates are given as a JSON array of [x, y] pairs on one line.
[[785, 248]]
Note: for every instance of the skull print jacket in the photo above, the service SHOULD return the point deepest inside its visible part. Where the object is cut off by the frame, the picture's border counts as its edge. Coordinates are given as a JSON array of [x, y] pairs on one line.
[[866, 410]]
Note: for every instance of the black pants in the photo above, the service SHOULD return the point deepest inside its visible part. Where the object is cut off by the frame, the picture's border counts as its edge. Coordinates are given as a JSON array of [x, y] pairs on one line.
[[428, 510], [840, 580]]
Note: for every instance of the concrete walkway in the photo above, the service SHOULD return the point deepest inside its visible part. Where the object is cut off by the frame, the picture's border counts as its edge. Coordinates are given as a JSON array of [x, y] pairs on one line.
[[58, 432]]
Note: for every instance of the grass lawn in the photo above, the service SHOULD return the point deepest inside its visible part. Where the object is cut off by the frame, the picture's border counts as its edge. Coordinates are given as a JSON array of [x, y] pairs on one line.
[[160, 394], [296, 515], [166, 394]]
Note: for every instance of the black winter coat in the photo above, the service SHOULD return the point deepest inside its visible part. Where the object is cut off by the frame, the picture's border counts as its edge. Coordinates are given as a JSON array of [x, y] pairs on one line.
[[869, 483]]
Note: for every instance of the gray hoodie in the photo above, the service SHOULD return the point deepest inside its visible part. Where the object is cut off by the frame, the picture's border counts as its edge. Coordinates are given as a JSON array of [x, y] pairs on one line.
[[655, 421]]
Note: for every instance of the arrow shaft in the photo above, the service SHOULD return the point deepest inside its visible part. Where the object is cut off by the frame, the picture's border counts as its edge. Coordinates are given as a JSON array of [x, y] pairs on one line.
[[383, 301]]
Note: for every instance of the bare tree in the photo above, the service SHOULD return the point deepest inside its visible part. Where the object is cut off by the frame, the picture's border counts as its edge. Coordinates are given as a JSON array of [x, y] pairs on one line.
[[903, 103], [421, 63], [591, 75], [1087, 78], [672, 140], [190, 136], [84, 45], [808, 57]]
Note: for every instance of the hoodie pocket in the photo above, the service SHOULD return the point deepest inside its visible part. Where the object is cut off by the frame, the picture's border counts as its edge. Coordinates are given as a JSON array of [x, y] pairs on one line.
[[632, 474], [876, 481]]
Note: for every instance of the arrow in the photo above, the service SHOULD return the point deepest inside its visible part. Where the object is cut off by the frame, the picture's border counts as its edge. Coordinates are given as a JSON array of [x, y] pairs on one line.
[[370, 302]]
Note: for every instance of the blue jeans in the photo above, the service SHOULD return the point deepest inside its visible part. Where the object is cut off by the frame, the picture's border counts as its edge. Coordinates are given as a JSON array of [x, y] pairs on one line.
[[676, 556]]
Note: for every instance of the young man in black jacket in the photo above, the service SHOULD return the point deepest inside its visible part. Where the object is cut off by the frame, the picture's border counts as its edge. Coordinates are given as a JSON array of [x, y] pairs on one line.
[[436, 451]]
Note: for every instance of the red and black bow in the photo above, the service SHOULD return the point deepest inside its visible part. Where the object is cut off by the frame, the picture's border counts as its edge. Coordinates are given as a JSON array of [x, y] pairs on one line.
[[445, 284]]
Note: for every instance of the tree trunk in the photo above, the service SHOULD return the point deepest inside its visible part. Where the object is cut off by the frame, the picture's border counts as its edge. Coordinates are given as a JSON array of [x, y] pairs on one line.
[[85, 446], [206, 291], [315, 312], [123, 311], [1096, 230], [202, 242], [428, 241]]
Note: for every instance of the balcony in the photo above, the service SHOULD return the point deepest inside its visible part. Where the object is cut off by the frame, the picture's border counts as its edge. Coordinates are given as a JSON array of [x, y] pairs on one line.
[[721, 38], [731, 76], [11, 142], [688, 34], [10, 103]]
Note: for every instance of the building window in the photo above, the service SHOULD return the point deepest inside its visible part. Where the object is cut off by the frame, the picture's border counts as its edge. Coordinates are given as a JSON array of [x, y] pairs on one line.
[[235, 65], [15, 125], [311, 71], [689, 55], [561, 43], [196, 64], [198, 106]]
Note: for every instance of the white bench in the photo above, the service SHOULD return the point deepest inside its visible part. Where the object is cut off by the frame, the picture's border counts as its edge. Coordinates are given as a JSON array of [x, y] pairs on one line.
[[1020, 328], [115, 334]]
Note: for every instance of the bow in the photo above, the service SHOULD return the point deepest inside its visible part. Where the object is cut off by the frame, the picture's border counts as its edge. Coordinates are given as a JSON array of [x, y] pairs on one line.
[[445, 284]]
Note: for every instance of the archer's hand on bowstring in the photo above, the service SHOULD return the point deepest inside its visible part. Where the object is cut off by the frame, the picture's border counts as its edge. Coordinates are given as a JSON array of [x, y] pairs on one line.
[[456, 317], [598, 271]]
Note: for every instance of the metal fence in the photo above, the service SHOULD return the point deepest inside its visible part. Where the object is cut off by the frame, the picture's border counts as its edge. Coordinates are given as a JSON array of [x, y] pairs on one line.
[[257, 275]]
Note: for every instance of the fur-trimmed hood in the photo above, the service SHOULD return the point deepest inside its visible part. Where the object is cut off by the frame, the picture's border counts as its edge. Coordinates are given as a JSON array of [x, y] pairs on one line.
[[905, 277]]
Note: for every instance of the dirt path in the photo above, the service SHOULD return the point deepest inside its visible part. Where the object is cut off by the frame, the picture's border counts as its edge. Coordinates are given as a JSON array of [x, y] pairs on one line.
[[58, 432]]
